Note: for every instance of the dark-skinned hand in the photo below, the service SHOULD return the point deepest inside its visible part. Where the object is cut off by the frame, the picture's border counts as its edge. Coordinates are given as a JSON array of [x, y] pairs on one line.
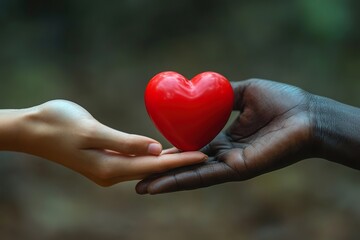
[[273, 130]]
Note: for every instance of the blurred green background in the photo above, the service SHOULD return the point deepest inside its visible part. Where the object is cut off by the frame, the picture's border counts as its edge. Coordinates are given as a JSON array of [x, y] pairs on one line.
[[101, 55]]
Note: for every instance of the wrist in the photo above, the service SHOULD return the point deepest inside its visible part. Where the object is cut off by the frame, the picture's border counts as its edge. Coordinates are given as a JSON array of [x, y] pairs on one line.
[[336, 131], [15, 128]]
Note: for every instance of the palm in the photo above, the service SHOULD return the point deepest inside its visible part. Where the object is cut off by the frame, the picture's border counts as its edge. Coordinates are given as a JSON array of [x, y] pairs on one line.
[[271, 131]]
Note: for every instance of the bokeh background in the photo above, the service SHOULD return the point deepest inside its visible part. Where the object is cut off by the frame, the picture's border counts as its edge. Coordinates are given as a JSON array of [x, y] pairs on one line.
[[101, 55]]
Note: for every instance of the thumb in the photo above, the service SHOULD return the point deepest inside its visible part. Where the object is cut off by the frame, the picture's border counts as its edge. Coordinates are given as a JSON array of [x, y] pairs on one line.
[[239, 90], [129, 144]]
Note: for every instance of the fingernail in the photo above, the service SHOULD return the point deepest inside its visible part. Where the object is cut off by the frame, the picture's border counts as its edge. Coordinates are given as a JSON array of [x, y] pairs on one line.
[[154, 148]]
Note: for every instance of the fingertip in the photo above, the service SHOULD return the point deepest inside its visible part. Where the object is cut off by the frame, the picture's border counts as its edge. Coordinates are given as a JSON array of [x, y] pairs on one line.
[[200, 156], [154, 149], [193, 157], [141, 145], [141, 187]]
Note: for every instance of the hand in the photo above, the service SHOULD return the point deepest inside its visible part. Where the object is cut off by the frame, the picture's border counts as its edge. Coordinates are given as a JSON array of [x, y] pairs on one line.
[[66, 133], [273, 130]]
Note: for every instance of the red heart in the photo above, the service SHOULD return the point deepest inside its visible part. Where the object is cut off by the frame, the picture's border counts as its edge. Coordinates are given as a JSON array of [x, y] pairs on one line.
[[189, 113]]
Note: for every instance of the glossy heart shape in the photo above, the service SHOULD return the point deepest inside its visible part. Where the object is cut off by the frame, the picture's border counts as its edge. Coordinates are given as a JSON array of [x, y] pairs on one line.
[[189, 113]]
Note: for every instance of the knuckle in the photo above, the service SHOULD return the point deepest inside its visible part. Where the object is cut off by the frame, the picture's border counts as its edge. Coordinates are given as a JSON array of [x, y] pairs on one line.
[[89, 132], [103, 171], [127, 145]]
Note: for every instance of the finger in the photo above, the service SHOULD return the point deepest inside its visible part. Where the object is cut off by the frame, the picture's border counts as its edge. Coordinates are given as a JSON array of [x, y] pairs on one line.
[[141, 187], [130, 144], [148, 165], [204, 175], [106, 165], [170, 151]]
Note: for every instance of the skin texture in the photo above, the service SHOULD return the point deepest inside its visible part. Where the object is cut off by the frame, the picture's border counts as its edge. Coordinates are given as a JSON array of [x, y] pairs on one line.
[[278, 125], [65, 133]]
